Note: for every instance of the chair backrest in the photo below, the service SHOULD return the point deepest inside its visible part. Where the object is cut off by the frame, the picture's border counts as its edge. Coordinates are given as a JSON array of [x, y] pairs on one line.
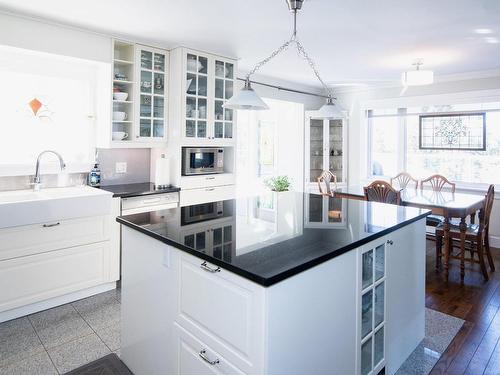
[[382, 191], [437, 183], [324, 181], [404, 179], [487, 207]]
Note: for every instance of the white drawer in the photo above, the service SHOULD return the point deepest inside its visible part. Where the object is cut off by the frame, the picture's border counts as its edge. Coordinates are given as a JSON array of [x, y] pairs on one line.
[[196, 358], [223, 310], [150, 201], [197, 182], [209, 194], [38, 238], [39, 277]]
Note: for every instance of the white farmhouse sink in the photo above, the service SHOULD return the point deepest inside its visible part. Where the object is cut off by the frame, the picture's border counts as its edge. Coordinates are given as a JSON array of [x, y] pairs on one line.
[[24, 207]]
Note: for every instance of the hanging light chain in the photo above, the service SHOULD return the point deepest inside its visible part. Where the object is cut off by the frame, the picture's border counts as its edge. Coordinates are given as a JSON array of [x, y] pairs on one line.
[[311, 63], [276, 52], [302, 52]]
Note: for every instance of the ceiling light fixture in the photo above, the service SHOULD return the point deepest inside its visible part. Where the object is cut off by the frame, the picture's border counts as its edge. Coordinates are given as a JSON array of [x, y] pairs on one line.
[[248, 99], [417, 77]]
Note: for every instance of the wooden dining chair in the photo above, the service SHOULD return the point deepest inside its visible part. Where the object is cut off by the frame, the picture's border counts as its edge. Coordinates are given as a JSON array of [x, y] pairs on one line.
[[476, 235], [404, 180], [382, 191], [437, 182], [325, 180]]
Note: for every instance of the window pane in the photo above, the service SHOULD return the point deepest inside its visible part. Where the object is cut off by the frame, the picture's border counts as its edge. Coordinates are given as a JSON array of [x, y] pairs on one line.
[[456, 165], [384, 141]]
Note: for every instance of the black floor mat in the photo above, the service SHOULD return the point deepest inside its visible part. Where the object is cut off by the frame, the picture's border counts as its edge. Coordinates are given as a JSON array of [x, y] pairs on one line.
[[108, 365]]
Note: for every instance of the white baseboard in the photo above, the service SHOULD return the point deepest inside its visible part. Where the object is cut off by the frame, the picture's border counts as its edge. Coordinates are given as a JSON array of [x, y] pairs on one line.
[[495, 241], [53, 302]]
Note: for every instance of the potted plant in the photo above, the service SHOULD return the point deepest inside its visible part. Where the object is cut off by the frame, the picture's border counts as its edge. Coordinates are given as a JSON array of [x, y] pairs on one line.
[[278, 183]]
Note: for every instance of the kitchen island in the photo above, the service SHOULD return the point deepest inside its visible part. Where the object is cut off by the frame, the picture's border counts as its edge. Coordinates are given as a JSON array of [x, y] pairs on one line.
[[250, 286]]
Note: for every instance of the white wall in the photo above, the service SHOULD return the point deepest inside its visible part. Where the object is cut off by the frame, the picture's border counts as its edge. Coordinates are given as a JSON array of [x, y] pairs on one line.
[[45, 37], [484, 86]]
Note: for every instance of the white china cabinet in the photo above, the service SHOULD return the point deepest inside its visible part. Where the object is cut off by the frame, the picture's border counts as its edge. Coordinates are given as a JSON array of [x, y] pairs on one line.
[[326, 149], [139, 108], [201, 84]]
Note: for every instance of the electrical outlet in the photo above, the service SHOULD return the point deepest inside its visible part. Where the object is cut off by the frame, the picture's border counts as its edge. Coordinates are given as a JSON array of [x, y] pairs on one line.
[[121, 167]]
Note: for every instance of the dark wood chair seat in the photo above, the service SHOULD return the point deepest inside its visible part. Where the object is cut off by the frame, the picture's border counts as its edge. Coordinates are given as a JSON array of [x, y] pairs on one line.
[[471, 232]]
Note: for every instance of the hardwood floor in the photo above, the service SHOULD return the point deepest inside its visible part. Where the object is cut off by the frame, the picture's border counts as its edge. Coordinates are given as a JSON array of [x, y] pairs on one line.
[[476, 348]]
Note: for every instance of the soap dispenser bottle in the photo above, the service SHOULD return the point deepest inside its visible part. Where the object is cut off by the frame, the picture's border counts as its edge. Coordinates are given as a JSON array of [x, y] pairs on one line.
[[95, 176]]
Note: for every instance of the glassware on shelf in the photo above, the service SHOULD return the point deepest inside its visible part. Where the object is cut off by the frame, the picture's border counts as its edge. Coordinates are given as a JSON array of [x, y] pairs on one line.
[[146, 60]]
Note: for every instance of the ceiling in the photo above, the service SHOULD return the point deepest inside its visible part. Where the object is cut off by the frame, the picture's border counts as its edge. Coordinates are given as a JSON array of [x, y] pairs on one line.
[[350, 41]]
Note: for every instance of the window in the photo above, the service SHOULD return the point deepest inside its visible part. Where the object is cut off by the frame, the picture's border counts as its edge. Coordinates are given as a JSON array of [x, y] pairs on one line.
[[396, 143], [462, 131], [47, 103]]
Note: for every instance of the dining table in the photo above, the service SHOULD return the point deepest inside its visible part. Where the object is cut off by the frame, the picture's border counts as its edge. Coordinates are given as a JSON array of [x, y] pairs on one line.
[[449, 205]]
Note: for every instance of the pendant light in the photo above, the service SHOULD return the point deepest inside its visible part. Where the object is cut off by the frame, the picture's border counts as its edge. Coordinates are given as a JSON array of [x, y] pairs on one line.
[[248, 99]]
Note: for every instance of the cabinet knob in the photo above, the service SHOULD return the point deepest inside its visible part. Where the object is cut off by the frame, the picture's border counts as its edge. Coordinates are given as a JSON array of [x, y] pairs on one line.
[[390, 242]]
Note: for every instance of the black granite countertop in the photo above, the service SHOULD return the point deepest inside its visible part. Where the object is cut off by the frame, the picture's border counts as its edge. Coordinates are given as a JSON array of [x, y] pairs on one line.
[[136, 190], [271, 237]]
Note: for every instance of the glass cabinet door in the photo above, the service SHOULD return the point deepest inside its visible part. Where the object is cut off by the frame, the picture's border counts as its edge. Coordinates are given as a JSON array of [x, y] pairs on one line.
[[335, 148], [316, 146], [372, 309], [196, 96], [224, 88], [152, 99]]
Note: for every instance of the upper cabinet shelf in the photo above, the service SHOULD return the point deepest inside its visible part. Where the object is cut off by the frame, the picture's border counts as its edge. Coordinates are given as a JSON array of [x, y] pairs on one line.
[[201, 84]]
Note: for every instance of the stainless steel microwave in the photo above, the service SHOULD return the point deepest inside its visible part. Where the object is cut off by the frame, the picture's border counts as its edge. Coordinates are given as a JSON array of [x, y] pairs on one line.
[[202, 160]]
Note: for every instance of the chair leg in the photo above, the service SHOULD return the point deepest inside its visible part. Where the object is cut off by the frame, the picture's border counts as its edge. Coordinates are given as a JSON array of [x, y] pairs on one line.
[[481, 260], [439, 248], [488, 252]]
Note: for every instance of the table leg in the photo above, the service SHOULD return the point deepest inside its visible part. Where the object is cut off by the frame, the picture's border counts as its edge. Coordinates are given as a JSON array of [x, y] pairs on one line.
[[463, 229], [446, 230]]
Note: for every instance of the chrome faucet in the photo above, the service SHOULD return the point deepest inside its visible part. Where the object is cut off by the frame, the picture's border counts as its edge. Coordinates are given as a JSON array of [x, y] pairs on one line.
[[36, 179]]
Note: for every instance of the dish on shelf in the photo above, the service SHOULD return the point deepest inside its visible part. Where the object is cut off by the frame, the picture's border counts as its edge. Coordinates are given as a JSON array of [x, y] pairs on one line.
[[119, 116], [122, 96], [121, 77], [119, 136], [194, 65]]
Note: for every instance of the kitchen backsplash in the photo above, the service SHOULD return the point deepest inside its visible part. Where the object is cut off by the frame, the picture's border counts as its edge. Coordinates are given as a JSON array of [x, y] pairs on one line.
[[138, 165]]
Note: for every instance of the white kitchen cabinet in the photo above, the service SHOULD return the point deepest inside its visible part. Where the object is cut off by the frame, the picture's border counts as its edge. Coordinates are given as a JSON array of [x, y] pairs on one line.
[[371, 302], [326, 149], [207, 194], [138, 120], [291, 327], [151, 107], [49, 264], [201, 84], [197, 358]]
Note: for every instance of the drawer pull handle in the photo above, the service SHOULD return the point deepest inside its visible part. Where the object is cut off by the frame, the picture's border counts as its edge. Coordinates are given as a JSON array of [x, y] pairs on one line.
[[210, 189], [51, 225], [390, 242], [203, 355], [206, 267], [210, 178]]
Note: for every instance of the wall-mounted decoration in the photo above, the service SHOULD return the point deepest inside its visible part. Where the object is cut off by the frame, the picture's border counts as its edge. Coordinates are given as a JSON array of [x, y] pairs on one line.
[[456, 131], [39, 109]]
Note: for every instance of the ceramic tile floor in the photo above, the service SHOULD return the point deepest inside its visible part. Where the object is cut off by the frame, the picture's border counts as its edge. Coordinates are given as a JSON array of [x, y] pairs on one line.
[[58, 340]]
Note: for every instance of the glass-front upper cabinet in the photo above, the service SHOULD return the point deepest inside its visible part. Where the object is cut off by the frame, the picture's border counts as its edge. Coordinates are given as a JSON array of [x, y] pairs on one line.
[[224, 88], [196, 96], [208, 82], [326, 141], [152, 65]]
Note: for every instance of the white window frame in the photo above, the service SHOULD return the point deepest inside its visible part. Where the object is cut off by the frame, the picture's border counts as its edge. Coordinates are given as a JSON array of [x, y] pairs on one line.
[[472, 97]]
